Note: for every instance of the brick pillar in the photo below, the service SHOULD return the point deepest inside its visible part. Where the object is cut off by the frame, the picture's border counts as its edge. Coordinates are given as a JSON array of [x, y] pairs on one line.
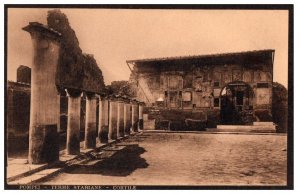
[[103, 120], [90, 122], [141, 121], [127, 118], [73, 126], [44, 102], [112, 132], [120, 119]]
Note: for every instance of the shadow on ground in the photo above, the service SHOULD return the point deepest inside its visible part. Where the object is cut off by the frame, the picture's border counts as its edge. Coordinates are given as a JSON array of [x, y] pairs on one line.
[[121, 163]]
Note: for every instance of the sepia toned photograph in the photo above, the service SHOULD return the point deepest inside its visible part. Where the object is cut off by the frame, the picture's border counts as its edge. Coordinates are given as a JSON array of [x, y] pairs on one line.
[[126, 97]]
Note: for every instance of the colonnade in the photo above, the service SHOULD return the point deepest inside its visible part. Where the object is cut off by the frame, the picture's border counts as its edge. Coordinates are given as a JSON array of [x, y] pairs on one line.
[[118, 116]]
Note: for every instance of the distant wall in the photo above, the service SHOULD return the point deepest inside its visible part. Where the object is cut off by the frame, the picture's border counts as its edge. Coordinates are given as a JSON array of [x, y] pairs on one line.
[[24, 74]]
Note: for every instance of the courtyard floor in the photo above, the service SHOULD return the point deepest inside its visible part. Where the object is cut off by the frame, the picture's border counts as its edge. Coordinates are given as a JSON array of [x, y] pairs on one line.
[[155, 158]]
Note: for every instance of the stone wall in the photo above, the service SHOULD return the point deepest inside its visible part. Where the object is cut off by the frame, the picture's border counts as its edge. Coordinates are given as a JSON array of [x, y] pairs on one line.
[[18, 108], [198, 87]]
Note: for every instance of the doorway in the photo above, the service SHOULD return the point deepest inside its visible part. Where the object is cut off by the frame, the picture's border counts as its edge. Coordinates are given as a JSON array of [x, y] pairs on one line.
[[236, 104]]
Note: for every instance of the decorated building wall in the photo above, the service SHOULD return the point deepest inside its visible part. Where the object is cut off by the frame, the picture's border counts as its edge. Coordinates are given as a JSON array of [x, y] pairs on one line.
[[200, 83]]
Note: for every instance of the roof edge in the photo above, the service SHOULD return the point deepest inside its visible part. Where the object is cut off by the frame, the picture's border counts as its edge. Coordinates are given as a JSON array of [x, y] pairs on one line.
[[198, 56]]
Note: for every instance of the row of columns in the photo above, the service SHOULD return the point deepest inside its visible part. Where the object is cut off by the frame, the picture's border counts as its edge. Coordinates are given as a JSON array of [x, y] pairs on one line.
[[118, 116]]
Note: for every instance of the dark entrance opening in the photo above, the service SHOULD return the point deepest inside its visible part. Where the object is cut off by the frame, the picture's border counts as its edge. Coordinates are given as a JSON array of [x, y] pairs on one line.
[[236, 104], [239, 98]]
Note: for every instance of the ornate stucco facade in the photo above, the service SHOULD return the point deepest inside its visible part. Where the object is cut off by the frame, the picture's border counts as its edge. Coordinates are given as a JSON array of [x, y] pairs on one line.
[[236, 88]]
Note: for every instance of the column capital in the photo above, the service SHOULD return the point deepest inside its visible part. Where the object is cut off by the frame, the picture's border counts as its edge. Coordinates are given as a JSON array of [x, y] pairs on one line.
[[90, 95], [126, 99], [141, 103], [73, 92], [134, 102], [38, 30], [112, 97], [102, 97]]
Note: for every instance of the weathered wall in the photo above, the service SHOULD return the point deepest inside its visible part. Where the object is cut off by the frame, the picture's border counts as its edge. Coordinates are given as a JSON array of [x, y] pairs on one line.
[[204, 84], [75, 69], [198, 87]]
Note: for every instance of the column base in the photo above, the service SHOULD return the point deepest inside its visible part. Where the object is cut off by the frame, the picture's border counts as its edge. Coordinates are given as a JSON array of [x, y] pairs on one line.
[[121, 130], [90, 136], [127, 130], [135, 127], [103, 135], [73, 147], [44, 144], [141, 124]]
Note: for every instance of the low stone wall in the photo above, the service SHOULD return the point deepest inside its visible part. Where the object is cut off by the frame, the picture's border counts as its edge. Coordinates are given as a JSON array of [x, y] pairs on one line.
[[263, 115], [178, 120]]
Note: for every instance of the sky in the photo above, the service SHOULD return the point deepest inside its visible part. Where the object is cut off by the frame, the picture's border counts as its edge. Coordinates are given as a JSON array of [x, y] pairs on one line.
[[116, 35]]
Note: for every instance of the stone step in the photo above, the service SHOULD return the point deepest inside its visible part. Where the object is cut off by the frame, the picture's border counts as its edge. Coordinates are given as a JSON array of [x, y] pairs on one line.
[[247, 128], [242, 130], [38, 176], [18, 171], [263, 123]]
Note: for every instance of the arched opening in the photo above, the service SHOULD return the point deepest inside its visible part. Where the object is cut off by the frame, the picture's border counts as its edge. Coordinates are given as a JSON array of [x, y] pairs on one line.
[[236, 104]]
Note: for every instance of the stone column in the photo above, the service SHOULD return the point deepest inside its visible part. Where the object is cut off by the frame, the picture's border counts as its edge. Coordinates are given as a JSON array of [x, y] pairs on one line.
[[127, 118], [90, 122], [141, 121], [73, 126], [134, 117], [44, 102], [112, 132], [120, 119], [103, 120]]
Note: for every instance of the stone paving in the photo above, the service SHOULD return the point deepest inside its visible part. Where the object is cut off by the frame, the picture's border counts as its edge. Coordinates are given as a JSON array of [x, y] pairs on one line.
[[187, 159]]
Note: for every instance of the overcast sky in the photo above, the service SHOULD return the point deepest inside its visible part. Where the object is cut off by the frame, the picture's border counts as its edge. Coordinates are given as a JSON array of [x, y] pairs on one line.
[[115, 35]]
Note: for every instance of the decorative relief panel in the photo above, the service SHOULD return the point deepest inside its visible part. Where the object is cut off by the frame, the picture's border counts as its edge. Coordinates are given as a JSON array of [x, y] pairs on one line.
[[236, 75], [217, 76], [207, 102], [175, 82], [257, 76], [268, 76], [226, 77], [188, 81], [263, 76], [198, 84], [197, 70], [209, 76], [262, 96], [247, 77], [163, 82]]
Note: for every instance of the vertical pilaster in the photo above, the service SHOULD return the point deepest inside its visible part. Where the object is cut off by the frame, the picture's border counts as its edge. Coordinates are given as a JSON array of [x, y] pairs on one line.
[[73, 125], [44, 102], [141, 121], [127, 118], [112, 133], [90, 122], [120, 119], [103, 120], [134, 118]]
